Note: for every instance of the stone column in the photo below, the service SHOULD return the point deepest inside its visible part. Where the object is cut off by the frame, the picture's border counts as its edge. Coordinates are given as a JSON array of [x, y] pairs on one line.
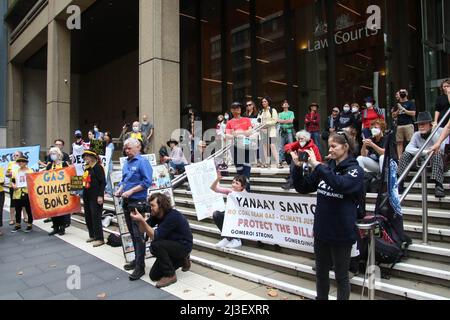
[[15, 105], [58, 83], [159, 67]]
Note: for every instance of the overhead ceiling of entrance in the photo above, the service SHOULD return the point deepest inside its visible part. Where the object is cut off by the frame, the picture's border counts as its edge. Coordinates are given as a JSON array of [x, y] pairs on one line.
[[109, 30]]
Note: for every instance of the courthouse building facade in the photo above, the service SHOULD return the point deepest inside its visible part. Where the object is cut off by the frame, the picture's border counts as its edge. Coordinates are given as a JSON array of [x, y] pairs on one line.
[[155, 57]]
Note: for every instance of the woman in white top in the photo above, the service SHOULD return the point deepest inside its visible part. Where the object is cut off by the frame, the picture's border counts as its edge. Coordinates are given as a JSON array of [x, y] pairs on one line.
[[269, 117]]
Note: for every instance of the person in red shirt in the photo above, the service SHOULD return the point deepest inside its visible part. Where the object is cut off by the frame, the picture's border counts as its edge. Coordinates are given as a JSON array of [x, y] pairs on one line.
[[368, 115], [239, 130], [312, 123], [303, 143]]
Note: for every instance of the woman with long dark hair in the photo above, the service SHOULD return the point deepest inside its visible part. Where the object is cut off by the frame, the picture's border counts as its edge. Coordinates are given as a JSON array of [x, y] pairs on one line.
[[338, 184]]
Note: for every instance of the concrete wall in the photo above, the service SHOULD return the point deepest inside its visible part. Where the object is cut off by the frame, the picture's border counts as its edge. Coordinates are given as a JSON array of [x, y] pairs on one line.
[[108, 92], [34, 120]]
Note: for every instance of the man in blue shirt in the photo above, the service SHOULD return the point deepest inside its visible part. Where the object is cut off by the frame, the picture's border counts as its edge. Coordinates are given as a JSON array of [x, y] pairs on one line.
[[136, 179]]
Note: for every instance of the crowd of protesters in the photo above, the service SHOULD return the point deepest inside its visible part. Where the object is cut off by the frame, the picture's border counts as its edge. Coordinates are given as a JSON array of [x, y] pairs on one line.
[[352, 142]]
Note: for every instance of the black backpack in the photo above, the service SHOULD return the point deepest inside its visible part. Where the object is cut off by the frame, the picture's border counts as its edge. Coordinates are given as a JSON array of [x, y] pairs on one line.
[[114, 241]]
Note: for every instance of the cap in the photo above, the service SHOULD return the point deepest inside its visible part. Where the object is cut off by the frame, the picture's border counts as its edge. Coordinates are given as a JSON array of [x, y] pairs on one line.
[[78, 133]]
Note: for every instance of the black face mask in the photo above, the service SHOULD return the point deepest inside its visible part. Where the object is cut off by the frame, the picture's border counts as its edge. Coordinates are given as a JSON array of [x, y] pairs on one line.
[[403, 95]]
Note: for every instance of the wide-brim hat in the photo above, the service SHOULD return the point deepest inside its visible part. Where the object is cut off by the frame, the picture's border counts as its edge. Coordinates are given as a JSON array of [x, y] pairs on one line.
[[314, 104], [22, 159], [424, 117], [172, 141], [90, 153]]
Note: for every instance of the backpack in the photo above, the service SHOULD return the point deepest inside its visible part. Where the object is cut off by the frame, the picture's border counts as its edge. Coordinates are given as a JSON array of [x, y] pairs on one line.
[[114, 241], [389, 248]]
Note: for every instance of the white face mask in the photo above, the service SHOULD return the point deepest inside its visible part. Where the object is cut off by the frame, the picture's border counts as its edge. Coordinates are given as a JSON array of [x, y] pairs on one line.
[[369, 104], [227, 117], [54, 157], [355, 110], [303, 144], [136, 129], [376, 131], [346, 109]]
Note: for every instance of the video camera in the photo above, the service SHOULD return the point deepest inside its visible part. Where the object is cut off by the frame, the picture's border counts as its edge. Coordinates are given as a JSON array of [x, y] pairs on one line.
[[142, 207]]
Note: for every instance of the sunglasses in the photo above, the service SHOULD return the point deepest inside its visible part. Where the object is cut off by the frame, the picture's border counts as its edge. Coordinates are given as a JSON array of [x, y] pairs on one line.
[[341, 133], [249, 105]]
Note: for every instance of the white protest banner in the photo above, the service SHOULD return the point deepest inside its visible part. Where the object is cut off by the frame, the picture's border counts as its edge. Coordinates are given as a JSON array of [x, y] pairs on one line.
[[201, 176], [78, 161], [286, 221], [151, 158]]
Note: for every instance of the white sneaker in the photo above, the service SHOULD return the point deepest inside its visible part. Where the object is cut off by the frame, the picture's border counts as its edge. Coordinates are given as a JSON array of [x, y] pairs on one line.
[[235, 243], [223, 243]]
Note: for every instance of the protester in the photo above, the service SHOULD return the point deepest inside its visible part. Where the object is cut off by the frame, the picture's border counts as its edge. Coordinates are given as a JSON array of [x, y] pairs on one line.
[[239, 130], [2, 197], [442, 104], [109, 145], [98, 135], [20, 194], [137, 175], [405, 113], [93, 197], [304, 142], [268, 116], [171, 242], [255, 153], [251, 111], [286, 121], [79, 143], [11, 169], [312, 123], [372, 152], [425, 123], [332, 123], [369, 113], [57, 162], [346, 118], [137, 134], [59, 143], [335, 232], [176, 159], [147, 129], [91, 136], [238, 185]]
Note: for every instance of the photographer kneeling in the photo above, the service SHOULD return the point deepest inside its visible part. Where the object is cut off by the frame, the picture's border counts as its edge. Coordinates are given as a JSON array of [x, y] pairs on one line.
[[171, 240]]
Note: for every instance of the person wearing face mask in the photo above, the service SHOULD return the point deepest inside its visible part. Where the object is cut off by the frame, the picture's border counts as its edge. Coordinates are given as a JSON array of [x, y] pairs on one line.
[[370, 113], [97, 134], [57, 162], [346, 119], [338, 185], [304, 142], [425, 123], [10, 171], [404, 113], [373, 149], [137, 134]]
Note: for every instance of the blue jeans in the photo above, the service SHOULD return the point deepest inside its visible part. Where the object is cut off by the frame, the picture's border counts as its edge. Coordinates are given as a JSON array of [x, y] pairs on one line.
[[241, 161], [177, 166], [315, 136], [285, 138]]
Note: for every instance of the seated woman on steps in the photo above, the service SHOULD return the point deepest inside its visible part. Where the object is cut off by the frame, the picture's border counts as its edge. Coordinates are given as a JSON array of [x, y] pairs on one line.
[[239, 184]]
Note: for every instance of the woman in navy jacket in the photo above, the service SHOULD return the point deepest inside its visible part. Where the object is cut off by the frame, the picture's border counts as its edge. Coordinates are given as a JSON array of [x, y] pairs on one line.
[[338, 184]]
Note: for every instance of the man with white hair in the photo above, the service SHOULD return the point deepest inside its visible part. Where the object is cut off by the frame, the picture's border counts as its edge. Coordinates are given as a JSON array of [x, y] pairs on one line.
[[137, 177], [303, 143]]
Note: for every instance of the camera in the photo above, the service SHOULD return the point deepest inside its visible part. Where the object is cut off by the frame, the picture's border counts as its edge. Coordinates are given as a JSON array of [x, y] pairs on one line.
[[141, 207], [303, 157]]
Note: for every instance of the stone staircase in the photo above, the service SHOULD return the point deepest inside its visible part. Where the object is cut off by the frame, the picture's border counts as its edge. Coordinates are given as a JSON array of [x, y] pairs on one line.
[[424, 275]]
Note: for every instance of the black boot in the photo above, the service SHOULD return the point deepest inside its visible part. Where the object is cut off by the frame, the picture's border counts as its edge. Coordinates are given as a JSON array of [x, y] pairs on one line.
[[62, 230], [54, 232], [137, 273], [130, 266], [439, 192]]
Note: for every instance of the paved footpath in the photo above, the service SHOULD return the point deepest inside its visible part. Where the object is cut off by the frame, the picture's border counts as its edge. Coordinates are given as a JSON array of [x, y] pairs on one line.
[[35, 266]]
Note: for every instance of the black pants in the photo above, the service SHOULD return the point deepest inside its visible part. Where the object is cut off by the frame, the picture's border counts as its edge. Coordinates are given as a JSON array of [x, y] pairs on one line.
[[2, 203], [93, 216], [241, 159], [136, 235], [328, 255], [62, 222], [219, 217], [169, 255], [19, 205]]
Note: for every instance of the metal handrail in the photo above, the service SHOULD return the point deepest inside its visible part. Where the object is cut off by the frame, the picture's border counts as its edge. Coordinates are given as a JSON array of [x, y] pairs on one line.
[[419, 153], [182, 178], [421, 173]]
